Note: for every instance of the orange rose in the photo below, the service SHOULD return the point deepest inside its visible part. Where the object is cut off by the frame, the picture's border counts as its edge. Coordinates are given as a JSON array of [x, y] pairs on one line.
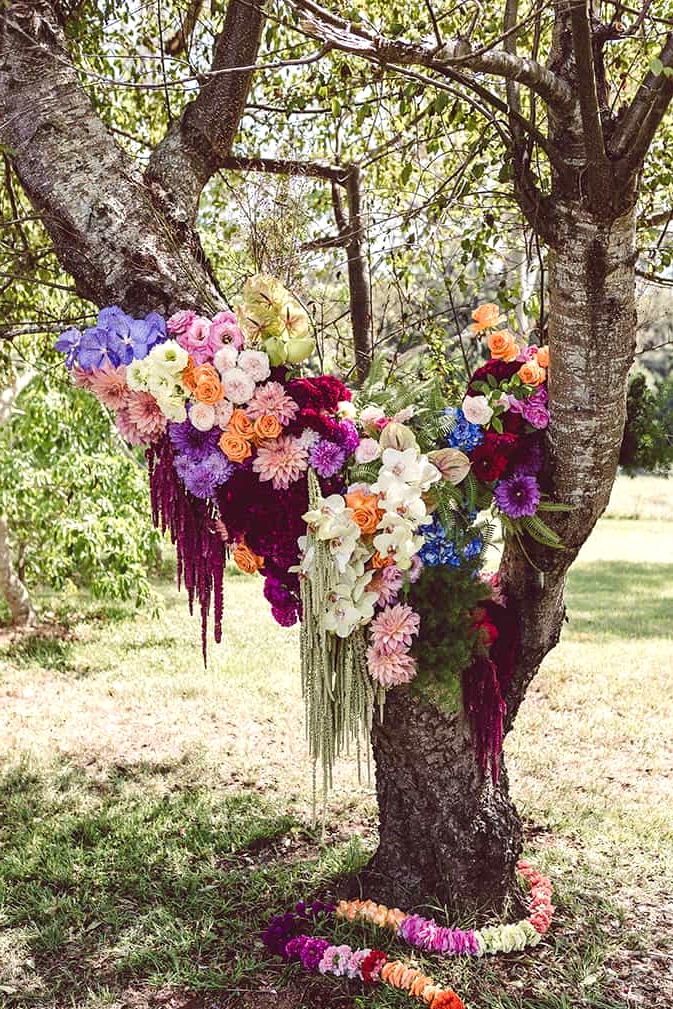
[[531, 373], [379, 562], [485, 317], [247, 560], [267, 426], [207, 385], [542, 356], [502, 345], [366, 512], [234, 446], [241, 425], [188, 375]]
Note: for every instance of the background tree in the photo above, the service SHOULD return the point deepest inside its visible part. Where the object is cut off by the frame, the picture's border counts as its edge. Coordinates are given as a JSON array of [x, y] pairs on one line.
[[543, 113]]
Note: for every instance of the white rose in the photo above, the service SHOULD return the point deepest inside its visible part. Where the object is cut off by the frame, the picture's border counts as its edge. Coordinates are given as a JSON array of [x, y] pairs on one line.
[[202, 416], [226, 357], [238, 385], [477, 410], [367, 450], [255, 363]]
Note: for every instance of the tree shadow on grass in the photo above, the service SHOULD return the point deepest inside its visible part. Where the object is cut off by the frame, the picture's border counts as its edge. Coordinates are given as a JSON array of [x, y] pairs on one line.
[[115, 887], [621, 599], [41, 649]]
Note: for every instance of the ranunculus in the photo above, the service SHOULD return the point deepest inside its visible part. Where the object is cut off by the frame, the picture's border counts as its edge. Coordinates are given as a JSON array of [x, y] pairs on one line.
[[241, 425], [531, 373], [236, 448], [207, 385], [238, 385], [202, 416], [367, 450], [502, 345], [477, 409], [485, 317], [267, 426], [180, 321], [366, 511]]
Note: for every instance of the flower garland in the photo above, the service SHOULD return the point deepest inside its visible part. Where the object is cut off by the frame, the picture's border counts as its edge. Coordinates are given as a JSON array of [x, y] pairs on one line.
[[359, 514], [285, 936]]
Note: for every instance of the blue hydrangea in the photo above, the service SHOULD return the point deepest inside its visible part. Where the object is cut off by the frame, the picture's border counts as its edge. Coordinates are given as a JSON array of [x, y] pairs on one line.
[[473, 548], [464, 436], [437, 549]]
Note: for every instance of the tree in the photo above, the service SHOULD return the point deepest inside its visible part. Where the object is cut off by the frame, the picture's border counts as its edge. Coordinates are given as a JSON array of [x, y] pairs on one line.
[[571, 158]]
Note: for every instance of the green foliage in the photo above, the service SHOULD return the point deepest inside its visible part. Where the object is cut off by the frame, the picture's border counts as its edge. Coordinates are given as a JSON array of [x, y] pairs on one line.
[[446, 641], [77, 505], [648, 435]]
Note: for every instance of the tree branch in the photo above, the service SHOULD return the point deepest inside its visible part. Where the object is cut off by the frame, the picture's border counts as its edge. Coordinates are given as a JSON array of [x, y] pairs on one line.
[[108, 232], [340, 34], [644, 115], [193, 148], [594, 141], [284, 166]]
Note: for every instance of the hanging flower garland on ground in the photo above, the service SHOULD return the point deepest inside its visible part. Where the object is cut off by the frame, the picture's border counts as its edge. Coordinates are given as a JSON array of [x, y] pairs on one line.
[[361, 517], [286, 936]]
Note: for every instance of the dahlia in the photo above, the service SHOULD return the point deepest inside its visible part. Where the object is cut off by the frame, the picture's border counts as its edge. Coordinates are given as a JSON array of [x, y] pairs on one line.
[[517, 497], [273, 400], [109, 384], [143, 415], [394, 627], [390, 668], [282, 461]]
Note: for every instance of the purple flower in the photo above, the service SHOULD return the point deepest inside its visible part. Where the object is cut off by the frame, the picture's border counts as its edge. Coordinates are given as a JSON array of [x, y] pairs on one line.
[[219, 466], [68, 344], [145, 333], [518, 496], [350, 439], [326, 457], [533, 408], [426, 934], [189, 441], [199, 480], [529, 460]]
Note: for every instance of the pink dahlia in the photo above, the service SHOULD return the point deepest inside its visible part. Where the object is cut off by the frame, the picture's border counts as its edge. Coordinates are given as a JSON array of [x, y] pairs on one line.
[[387, 582], [271, 399], [391, 669], [393, 628], [141, 420], [80, 377], [109, 384], [282, 460]]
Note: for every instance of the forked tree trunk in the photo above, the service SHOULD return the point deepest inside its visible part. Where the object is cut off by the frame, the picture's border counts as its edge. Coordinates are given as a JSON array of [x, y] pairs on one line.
[[11, 586], [445, 830]]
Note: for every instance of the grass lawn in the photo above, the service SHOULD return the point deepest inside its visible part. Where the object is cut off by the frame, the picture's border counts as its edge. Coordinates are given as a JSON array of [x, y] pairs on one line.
[[153, 815]]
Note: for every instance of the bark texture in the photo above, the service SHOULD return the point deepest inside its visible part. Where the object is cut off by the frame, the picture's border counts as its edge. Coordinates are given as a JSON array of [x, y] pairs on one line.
[[445, 829], [11, 586]]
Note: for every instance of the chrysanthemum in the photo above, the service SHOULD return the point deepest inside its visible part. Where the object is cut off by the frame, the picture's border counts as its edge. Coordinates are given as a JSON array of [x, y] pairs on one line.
[[393, 628], [199, 480], [282, 461], [390, 669], [109, 385], [273, 400], [518, 496], [189, 441]]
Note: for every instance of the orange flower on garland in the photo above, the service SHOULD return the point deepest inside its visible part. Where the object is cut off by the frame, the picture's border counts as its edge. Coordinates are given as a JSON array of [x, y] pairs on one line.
[[542, 356], [531, 373], [485, 317], [207, 385], [236, 448], [267, 426], [247, 560], [366, 511], [241, 425]]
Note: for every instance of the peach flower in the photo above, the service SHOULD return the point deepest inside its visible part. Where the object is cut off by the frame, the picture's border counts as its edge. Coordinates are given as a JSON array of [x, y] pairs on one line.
[[485, 317], [379, 562], [366, 511], [241, 424], [531, 373], [188, 375], [542, 356], [247, 560], [236, 448], [502, 345], [207, 385]]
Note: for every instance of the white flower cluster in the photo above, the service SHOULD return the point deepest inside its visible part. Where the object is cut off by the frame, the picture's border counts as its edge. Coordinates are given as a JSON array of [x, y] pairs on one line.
[[403, 479], [160, 373], [507, 938]]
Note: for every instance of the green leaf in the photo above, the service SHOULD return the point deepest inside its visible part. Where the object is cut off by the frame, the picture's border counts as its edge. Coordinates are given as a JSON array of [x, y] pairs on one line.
[[656, 66]]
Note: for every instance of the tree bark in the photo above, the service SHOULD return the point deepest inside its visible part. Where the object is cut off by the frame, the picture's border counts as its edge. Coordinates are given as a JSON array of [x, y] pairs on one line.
[[11, 586]]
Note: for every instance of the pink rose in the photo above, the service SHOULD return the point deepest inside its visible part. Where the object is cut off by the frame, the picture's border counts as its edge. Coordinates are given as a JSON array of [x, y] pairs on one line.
[[181, 321]]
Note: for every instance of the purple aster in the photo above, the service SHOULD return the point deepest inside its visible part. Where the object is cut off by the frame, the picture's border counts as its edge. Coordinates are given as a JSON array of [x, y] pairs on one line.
[[68, 344], [182, 464], [189, 441], [326, 457], [199, 480], [518, 496]]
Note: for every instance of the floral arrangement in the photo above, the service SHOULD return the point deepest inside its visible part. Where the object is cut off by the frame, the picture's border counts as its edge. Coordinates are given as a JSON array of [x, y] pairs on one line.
[[361, 513], [287, 936]]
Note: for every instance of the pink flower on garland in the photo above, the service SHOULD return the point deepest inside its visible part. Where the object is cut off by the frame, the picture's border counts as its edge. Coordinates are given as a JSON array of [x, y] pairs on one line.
[[271, 399], [394, 628], [282, 461], [109, 385], [141, 420], [387, 582], [391, 669], [336, 960]]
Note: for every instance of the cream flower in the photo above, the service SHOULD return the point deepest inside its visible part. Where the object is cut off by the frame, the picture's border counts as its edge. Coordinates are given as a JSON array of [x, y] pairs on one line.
[[168, 357], [202, 416], [367, 450], [255, 363], [137, 374], [477, 409], [238, 385], [226, 358]]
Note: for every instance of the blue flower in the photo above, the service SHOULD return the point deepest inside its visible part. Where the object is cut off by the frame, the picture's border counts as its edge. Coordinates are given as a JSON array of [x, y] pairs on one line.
[[68, 344], [464, 435], [145, 333], [473, 548]]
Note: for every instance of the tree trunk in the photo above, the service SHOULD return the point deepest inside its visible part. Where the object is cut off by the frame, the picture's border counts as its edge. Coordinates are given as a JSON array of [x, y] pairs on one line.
[[11, 586], [446, 831]]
